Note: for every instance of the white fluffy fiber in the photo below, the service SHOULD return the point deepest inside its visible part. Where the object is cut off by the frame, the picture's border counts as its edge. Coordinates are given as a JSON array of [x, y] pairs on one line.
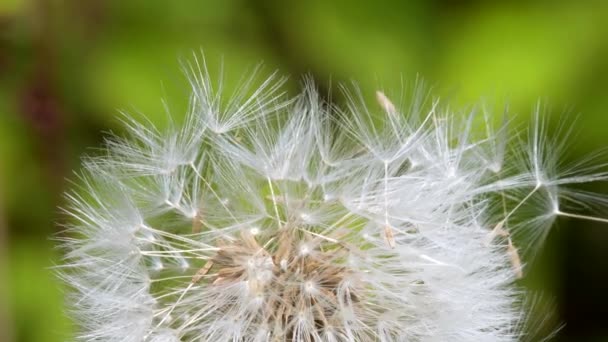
[[263, 218]]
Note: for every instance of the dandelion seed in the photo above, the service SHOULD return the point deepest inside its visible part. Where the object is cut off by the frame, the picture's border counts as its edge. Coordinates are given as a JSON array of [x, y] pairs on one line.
[[257, 222], [386, 104], [515, 259]]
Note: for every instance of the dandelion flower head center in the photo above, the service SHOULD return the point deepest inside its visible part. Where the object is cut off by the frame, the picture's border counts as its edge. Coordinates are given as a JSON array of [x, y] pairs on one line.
[[285, 276]]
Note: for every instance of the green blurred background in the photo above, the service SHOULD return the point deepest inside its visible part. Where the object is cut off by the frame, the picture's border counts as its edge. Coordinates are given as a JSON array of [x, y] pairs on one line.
[[67, 67]]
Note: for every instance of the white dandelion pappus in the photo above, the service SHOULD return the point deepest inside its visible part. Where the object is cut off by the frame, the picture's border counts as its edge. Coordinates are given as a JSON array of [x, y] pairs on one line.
[[269, 219]]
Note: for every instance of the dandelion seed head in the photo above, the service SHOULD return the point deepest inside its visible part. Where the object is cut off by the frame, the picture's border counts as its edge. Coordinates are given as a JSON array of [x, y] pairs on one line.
[[270, 219]]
